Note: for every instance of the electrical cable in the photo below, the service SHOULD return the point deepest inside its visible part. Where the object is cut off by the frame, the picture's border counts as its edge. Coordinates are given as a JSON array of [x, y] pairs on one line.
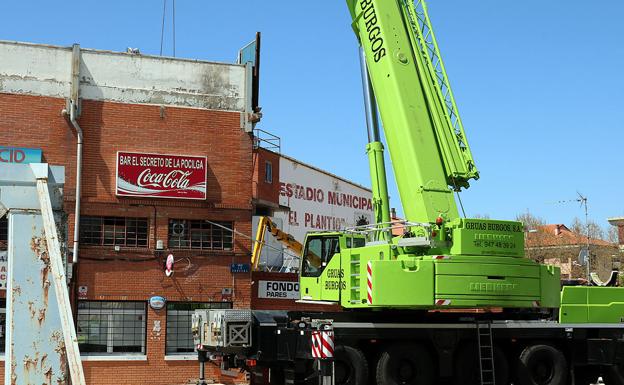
[[162, 28], [174, 39], [457, 191], [461, 205], [252, 239]]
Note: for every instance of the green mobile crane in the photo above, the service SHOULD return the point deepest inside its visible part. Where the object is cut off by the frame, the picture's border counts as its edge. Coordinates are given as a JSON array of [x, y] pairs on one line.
[[441, 259]]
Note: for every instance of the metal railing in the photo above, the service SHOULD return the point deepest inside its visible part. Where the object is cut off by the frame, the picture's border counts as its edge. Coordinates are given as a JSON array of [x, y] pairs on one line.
[[385, 226], [266, 140]]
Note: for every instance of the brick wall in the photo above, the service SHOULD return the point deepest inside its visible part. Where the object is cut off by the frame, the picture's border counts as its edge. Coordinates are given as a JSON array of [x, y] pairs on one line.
[[135, 273], [263, 190]]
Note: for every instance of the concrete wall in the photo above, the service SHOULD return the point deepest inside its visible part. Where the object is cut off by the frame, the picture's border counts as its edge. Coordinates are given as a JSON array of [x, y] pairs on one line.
[[121, 77]]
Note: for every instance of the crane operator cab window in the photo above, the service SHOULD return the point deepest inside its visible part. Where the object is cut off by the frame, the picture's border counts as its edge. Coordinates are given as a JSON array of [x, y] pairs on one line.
[[317, 253]]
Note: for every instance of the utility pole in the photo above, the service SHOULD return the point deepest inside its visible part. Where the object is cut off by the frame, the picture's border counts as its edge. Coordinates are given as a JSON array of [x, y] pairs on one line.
[[583, 200]]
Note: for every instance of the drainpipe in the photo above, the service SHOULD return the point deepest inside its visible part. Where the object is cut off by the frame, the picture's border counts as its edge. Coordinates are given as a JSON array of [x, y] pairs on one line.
[[73, 107], [72, 119]]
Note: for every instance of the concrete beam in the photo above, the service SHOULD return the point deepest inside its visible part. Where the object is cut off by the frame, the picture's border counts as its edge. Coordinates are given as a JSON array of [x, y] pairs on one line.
[[122, 77]]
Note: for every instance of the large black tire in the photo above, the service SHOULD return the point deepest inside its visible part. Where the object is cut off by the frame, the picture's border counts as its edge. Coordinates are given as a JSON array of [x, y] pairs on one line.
[[405, 364], [466, 369], [613, 375], [542, 365], [350, 366]]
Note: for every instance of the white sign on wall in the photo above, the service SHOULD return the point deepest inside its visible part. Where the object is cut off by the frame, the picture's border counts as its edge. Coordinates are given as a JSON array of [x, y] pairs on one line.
[[319, 201], [278, 289]]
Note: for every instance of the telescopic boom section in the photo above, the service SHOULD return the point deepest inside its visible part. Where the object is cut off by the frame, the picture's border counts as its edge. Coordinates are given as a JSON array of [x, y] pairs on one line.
[[423, 130]]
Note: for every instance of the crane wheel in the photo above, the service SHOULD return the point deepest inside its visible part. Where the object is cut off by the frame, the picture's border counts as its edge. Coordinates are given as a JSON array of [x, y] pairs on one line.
[[405, 364], [614, 375], [467, 366], [350, 366], [542, 365]]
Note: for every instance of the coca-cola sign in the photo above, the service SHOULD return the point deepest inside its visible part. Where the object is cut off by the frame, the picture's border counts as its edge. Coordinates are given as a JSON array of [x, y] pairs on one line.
[[161, 176]]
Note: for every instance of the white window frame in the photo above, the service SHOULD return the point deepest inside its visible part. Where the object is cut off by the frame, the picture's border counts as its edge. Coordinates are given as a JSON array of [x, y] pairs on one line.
[[109, 313]]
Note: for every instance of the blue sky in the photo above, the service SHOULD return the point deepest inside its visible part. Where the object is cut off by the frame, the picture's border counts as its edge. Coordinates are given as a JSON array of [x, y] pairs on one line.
[[538, 84]]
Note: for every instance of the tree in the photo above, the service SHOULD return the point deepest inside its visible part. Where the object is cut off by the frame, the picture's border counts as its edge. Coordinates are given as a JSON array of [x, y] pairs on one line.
[[530, 221], [595, 230]]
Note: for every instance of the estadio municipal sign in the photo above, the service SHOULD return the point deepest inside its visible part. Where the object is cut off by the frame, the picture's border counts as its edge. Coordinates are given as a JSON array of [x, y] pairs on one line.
[[161, 176], [278, 289]]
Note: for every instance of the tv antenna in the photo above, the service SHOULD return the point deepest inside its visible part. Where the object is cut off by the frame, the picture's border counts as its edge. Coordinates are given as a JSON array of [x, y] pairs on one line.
[[584, 255]]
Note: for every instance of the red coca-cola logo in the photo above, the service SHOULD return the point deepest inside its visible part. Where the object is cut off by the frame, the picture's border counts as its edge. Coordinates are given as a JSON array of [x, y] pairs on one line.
[[161, 176], [172, 179]]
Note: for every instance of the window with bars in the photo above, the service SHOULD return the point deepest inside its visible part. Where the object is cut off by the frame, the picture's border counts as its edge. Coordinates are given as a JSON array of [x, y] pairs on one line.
[[114, 231], [179, 337], [111, 327], [200, 234]]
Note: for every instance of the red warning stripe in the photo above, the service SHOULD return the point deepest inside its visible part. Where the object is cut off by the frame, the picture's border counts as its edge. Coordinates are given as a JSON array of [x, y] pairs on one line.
[[369, 282]]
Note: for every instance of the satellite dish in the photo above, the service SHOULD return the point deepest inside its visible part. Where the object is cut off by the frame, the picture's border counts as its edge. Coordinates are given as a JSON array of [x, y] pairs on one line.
[[583, 256]]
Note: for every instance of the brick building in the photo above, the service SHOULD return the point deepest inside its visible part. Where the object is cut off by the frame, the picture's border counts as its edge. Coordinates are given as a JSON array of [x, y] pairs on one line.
[[619, 223], [556, 244], [301, 198], [143, 106]]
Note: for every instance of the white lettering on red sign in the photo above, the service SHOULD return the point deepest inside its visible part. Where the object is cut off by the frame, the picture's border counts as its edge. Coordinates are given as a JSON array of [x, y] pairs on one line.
[[173, 179], [161, 176]]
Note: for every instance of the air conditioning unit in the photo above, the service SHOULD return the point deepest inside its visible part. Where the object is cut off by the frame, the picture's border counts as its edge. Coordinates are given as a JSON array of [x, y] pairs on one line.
[[178, 229]]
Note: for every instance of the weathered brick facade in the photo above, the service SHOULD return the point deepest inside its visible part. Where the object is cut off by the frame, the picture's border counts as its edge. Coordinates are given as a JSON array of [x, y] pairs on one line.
[[131, 273], [264, 192]]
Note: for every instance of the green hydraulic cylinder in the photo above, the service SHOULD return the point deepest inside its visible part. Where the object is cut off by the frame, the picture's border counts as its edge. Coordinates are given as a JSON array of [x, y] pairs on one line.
[[375, 151], [381, 204]]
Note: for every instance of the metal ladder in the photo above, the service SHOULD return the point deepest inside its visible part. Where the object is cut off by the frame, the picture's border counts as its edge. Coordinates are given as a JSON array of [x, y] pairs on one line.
[[356, 279], [486, 352]]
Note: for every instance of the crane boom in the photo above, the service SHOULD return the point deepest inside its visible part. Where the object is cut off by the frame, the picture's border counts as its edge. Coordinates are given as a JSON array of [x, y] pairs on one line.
[[440, 259], [424, 132]]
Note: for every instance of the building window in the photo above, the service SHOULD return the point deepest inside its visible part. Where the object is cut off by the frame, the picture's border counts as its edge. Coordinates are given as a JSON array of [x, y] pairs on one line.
[[268, 172], [111, 327], [179, 337], [109, 231], [200, 234]]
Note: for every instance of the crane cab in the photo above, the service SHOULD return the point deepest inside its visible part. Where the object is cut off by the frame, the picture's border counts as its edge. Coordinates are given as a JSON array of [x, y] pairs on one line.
[[323, 265]]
